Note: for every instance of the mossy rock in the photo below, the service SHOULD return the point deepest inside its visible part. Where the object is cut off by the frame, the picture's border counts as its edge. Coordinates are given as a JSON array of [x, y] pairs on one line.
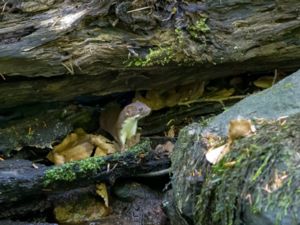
[[185, 159], [282, 99], [263, 185]]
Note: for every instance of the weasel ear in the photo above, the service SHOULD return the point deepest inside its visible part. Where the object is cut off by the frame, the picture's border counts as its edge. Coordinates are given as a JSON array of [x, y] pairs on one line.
[[129, 110]]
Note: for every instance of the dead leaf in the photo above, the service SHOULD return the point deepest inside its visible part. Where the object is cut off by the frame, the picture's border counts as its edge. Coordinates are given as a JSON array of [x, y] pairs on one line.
[[157, 99], [278, 180], [221, 94], [100, 152], [75, 146], [282, 120], [71, 140], [264, 82], [171, 132], [103, 145], [165, 148], [240, 128], [56, 158], [34, 166], [101, 190], [229, 164], [211, 140], [215, 155]]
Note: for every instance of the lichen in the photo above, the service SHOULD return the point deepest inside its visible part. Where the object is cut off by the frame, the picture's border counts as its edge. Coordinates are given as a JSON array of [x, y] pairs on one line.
[[253, 181]]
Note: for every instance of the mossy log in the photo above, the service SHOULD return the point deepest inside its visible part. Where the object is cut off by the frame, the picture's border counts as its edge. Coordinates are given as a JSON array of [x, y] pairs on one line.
[[100, 47], [26, 188]]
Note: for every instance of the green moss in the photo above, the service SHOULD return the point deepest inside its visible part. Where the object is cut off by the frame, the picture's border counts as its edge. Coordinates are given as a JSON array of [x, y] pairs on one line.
[[91, 164], [198, 28], [258, 159], [158, 56], [61, 173], [88, 167], [175, 46]]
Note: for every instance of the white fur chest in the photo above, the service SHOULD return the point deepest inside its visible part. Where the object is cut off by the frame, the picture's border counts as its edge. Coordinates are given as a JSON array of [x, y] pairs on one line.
[[128, 129]]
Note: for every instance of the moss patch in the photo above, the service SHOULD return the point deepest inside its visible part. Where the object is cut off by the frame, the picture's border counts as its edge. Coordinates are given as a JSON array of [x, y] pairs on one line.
[[265, 177], [177, 48], [89, 167], [200, 27]]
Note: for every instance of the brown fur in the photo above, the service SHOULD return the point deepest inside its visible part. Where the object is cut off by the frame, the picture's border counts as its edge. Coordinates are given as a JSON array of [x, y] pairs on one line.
[[112, 118]]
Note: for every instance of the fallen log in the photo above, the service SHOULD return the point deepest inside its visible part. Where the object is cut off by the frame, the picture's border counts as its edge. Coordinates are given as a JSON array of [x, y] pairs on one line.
[[127, 44], [25, 187]]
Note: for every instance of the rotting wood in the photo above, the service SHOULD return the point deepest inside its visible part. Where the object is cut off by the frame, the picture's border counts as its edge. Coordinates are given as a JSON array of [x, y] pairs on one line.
[[201, 40]]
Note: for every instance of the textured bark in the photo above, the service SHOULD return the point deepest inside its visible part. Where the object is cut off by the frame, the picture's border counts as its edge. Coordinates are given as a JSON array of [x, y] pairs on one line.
[[86, 46], [26, 188]]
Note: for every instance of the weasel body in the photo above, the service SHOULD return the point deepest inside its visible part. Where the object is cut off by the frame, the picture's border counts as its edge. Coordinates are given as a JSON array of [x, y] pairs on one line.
[[122, 123]]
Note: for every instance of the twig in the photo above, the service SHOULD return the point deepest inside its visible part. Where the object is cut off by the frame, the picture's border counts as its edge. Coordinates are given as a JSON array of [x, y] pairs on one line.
[[220, 100], [139, 9], [2, 76], [4, 6], [275, 77], [70, 69]]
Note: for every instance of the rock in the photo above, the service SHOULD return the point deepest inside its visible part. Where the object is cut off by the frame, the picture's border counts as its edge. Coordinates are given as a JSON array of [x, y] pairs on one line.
[[139, 205], [261, 187], [10, 222], [130, 203], [190, 167], [185, 160], [282, 99], [88, 208]]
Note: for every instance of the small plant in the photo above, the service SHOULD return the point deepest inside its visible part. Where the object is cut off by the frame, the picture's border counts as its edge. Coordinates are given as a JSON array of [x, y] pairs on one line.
[[198, 28], [159, 56]]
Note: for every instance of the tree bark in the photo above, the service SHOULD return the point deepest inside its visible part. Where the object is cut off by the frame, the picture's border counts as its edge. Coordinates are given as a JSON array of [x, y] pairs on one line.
[[86, 47]]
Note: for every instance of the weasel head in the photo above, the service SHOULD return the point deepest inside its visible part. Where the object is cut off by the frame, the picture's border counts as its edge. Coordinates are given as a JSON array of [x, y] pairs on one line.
[[136, 110], [128, 121]]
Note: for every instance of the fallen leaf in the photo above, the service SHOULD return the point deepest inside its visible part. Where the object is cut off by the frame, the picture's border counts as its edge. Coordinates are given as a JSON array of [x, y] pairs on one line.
[[240, 128], [157, 99], [80, 145], [264, 82], [211, 140], [278, 180], [221, 94], [165, 148], [103, 144], [215, 155], [171, 132], [34, 166], [101, 190], [229, 164]]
